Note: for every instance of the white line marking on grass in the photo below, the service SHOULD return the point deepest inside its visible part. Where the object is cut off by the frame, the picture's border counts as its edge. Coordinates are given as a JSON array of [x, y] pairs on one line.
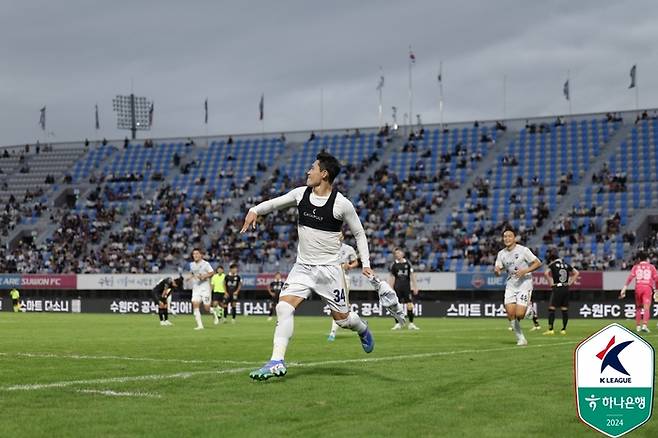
[[187, 375], [183, 375], [420, 355], [111, 393], [126, 358]]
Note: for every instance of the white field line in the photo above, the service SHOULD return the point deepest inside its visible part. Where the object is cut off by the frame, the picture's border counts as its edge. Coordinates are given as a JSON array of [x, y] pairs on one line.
[[187, 375], [126, 358], [111, 393]]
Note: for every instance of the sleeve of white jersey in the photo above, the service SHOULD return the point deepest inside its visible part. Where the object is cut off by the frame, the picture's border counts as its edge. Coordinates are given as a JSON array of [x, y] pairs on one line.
[[290, 199], [499, 262], [529, 256], [352, 255], [352, 219]]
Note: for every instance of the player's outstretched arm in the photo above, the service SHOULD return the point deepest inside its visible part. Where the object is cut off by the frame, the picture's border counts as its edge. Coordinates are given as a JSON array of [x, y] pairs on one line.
[[265, 207], [249, 221]]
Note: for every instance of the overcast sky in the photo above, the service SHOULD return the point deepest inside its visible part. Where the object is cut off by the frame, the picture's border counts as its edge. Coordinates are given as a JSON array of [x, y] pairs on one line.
[[70, 55]]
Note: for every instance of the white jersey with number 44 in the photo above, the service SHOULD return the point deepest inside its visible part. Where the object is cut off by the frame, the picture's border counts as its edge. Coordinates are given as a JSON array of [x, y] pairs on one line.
[[520, 257]]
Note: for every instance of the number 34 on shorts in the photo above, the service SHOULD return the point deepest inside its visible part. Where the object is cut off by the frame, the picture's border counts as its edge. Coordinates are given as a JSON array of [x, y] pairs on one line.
[[339, 295]]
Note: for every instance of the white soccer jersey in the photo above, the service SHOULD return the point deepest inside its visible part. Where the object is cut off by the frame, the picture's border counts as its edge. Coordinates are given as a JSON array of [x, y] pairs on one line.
[[317, 247], [346, 254], [520, 257], [200, 286]]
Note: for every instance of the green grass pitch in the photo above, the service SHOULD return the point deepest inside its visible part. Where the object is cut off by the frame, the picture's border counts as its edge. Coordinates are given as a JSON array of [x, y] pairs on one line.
[[121, 376]]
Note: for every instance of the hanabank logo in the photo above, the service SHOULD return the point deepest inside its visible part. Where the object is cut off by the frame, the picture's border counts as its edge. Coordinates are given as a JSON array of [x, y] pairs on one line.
[[609, 357]]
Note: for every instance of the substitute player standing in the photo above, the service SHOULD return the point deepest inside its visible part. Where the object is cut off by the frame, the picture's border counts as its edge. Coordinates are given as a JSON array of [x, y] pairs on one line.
[[646, 277], [322, 210], [348, 260], [403, 280], [200, 272], [560, 276], [233, 285], [274, 289], [519, 262]]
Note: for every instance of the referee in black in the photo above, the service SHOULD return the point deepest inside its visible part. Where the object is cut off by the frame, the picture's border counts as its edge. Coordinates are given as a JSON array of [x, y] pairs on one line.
[[560, 276]]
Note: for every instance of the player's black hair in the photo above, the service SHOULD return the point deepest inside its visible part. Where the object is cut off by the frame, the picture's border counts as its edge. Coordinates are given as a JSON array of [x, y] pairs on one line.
[[220, 267], [552, 254], [397, 248], [641, 255], [196, 249], [509, 228], [233, 265], [328, 162]]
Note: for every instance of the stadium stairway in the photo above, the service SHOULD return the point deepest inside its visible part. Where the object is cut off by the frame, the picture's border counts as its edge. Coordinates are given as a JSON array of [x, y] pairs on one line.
[[390, 147], [234, 208], [458, 196], [567, 202]]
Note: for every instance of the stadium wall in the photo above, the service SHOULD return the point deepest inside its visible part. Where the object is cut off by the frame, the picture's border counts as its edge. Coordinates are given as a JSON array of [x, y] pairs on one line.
[[427, 281]]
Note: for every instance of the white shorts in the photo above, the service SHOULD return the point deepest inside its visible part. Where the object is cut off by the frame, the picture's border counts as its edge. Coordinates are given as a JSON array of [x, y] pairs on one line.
[[328, 281], [520, 297], [202, 296]]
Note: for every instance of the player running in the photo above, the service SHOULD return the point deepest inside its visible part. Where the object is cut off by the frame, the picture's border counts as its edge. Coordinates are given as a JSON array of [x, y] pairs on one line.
[[200, 273], [646, 277], [322, 210], [560, 276], [519, 262]]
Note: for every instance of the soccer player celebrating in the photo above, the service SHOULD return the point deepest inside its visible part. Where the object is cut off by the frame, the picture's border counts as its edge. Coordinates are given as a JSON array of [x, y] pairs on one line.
[[560, 276], [218, 291], [15, 299], [200, 272], [519, 262], [274, 290], [322, 211], [348, 260], [162, 293], [233, 285], [403, 280], [646, 277]]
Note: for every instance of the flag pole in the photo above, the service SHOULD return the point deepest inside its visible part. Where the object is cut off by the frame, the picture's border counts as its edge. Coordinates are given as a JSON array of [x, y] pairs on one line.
[[411, 93], [504, 96], [637, 92], [441, 93], [569, 82], [321, 109], [380, 87]]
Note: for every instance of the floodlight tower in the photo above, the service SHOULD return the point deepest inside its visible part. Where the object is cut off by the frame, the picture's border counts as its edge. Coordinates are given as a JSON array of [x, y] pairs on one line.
[[133, 112]]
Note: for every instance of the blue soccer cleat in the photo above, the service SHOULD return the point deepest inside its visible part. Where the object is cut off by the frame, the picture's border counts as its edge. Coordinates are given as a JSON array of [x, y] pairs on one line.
[[331, 337], [367, 341], [273, 368]]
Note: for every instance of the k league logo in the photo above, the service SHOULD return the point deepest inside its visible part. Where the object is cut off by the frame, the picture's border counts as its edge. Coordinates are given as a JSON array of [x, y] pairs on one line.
[[614, 379]]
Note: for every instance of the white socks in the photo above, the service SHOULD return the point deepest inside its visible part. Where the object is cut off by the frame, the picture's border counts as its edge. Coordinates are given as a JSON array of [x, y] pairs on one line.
[[285, 324], [517, 329], [197, 317], [353, 322], [334, 328]]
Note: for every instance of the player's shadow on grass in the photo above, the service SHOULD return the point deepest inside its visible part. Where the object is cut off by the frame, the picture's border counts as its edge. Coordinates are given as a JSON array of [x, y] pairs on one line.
[[339, 372]]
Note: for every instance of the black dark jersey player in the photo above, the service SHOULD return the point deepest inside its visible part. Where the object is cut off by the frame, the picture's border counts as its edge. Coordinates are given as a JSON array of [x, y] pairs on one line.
[[162, 294], [233, 284], [560, 276], [274, 290], [403, 280]]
